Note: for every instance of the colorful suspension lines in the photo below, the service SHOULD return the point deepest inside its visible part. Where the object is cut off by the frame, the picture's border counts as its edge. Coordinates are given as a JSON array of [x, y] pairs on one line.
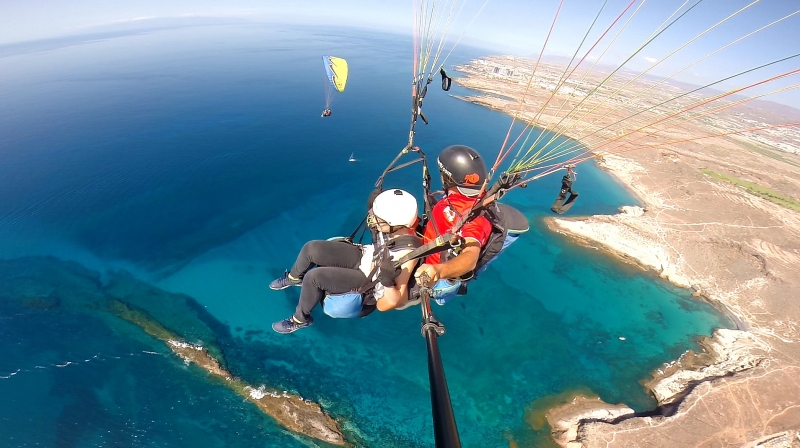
[[616, 113]]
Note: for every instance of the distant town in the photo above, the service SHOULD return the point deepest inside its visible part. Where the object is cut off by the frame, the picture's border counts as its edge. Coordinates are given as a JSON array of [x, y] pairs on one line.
[[595, 108]]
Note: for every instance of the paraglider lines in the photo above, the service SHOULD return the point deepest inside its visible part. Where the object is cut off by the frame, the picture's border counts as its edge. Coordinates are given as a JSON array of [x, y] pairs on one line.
[[637, 51], [500, 155], [601, 103], [553, 168], [469, 25], [721, 134], [716, 110], [530, 125], [576, 145], [563, 78], [714, 98], [640, 94]]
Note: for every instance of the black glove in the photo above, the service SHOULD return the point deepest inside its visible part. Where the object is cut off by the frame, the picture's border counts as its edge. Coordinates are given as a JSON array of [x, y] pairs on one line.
[[508, 180], [372, 197], [388, 273]]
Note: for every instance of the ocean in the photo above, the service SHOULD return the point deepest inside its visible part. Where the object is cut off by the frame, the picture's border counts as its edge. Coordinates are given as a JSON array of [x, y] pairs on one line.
[[180, 169]]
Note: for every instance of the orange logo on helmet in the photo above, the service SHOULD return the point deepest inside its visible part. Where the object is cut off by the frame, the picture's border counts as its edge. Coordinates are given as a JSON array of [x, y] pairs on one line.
[[472, 179]]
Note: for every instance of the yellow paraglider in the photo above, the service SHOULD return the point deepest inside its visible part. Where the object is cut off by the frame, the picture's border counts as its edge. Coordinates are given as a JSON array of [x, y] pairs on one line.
[[336, 71]]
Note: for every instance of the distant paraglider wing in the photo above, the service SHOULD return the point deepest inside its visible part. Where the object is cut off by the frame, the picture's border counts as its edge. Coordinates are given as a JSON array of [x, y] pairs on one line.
[[336, 79], [336, 68]]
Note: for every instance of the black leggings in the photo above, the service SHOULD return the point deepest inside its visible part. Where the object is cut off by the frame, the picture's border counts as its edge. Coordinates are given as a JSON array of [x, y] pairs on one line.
[[336, 272]]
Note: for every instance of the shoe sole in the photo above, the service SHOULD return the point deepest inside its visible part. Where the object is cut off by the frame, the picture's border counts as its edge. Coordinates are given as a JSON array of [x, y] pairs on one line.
[[288, 332], [287, 286]]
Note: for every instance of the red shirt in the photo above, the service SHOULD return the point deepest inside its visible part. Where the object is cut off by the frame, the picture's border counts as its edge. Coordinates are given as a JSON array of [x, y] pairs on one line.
[[446, 212]]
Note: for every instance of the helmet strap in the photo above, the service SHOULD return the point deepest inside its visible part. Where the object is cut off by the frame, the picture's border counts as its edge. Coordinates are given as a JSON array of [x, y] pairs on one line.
[[448, 182]]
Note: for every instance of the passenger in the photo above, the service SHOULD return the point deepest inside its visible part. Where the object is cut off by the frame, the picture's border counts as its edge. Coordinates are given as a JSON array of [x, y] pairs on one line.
[[337, 267], [463, 174], [326, 113]]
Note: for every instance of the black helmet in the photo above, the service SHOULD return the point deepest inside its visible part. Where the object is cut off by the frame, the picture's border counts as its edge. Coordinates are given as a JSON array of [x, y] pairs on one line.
[[462, 167]]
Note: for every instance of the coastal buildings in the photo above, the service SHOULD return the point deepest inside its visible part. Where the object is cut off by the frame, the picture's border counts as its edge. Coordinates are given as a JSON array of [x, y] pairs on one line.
[[596, 104]]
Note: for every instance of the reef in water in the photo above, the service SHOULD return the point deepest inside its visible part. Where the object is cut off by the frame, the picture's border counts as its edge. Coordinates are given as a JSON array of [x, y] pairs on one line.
[[46, 283]]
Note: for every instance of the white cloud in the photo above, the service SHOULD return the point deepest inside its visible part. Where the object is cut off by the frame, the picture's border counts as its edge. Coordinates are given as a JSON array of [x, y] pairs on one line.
[[650, 60]]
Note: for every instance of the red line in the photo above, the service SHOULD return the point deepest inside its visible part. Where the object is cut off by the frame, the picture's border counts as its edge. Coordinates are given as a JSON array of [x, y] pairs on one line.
[[522, 101], [696, 106], [577, 159], [710, 136], [564, 79]]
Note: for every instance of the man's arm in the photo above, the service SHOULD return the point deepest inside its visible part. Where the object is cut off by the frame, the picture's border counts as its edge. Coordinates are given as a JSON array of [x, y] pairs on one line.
[[458, 266]]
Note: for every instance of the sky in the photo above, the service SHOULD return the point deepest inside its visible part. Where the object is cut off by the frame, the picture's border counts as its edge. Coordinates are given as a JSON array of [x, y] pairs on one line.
[[517, 27]]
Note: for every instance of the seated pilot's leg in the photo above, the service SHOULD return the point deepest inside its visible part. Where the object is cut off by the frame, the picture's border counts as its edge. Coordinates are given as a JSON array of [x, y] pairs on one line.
[[319, 253], [316, 284], [338, 254]]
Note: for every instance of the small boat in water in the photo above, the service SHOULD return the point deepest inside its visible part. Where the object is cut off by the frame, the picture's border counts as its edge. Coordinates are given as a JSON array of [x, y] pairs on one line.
[[352, 159]]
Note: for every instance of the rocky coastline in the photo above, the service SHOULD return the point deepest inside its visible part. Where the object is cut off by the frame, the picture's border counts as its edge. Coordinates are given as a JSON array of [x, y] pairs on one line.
[[49, 284], [290, 411], [700, 227], [637, 237]]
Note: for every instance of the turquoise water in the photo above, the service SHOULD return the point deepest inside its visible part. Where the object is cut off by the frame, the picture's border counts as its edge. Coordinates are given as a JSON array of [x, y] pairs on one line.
[[182, 169]]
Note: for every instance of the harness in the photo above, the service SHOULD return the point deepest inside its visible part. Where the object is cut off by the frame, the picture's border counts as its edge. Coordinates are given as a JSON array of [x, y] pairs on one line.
[[449, 241], [361, 302], [383, 250], [494, 244], [508, 224]]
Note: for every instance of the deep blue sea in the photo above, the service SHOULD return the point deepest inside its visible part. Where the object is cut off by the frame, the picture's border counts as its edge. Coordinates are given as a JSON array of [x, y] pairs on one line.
[[181, 169]]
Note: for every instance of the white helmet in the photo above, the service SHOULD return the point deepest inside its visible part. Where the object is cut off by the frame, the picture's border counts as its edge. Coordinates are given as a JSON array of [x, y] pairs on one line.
[[396, 207]]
